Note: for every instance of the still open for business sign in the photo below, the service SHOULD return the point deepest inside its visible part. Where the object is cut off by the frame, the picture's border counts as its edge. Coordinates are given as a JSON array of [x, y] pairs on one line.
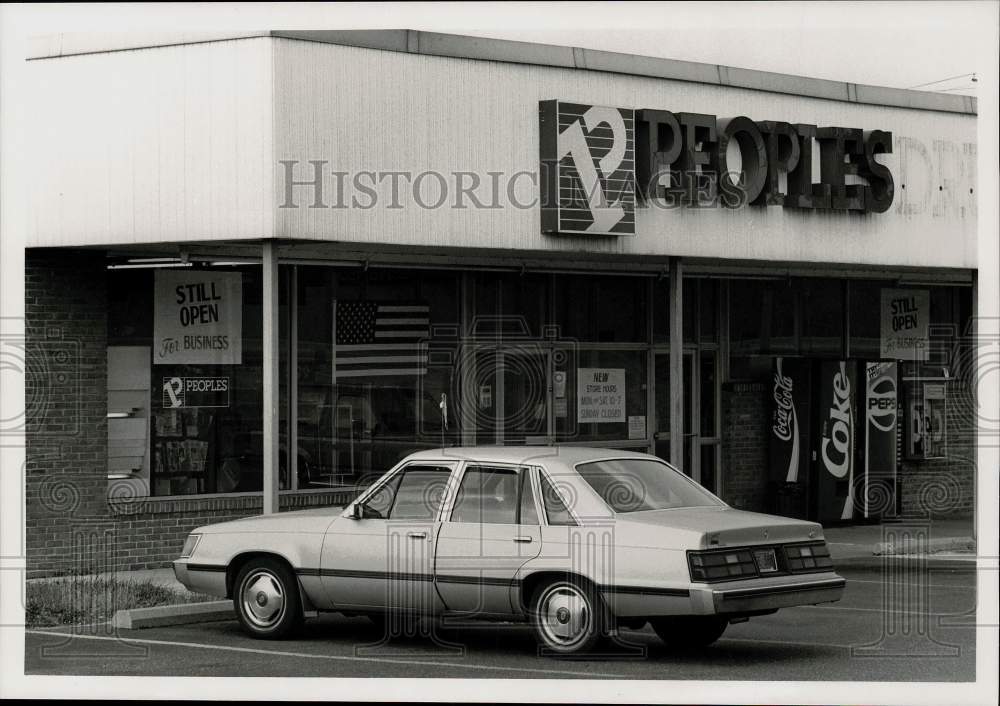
[[906, 315], [198, 317]]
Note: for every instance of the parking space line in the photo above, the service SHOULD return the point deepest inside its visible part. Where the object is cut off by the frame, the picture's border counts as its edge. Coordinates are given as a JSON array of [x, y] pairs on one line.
[[339, 658], [914, 583], [784, 642], [871, 610]]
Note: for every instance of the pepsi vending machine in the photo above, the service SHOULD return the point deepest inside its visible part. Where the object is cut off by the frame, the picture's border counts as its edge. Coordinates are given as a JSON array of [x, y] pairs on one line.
[[835, 441], [788, 485], [879, 491]]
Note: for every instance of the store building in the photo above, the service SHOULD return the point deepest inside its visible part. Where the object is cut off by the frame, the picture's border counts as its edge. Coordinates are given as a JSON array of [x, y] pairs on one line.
[[264, 267]]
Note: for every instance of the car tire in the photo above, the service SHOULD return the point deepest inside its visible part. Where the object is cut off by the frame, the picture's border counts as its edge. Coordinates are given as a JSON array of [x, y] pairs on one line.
[[266, 599], [567, 616], [690, 630]]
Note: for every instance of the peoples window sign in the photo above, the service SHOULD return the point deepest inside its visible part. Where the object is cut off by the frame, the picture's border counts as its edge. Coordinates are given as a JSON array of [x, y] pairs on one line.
[[198, 317], [595, 160]]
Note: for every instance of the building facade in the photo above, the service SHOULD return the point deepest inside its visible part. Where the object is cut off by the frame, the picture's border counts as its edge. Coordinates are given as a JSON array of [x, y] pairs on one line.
[[262, 268]]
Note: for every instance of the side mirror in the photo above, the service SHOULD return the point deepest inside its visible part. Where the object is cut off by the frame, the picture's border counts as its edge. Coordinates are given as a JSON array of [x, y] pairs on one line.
[[357, 511]]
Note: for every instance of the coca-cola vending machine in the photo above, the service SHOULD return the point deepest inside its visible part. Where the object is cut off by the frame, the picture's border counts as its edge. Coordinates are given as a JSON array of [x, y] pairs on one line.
[[835, 444], [788, 485]]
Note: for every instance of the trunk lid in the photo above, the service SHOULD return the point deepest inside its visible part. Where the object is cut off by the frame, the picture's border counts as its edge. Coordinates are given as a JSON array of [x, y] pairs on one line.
[[728, 527]]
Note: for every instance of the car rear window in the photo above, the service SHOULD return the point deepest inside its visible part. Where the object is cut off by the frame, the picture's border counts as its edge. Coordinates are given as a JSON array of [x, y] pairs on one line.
[[635, 485]]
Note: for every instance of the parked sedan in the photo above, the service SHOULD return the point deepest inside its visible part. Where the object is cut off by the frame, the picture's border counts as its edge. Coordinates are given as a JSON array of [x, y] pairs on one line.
[[575, 541]]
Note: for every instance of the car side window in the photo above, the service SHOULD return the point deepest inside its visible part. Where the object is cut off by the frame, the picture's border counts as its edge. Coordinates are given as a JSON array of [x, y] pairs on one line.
[[377, 505], [556, 511], [419, 493], [528, 515], [487, 495]]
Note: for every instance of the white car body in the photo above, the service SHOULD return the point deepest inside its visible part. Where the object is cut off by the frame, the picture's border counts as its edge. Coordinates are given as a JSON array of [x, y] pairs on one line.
[[637, 561]]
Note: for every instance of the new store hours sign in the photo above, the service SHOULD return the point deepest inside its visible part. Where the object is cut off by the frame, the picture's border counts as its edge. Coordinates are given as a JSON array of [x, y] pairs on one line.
[[198, 317], [600, 394]]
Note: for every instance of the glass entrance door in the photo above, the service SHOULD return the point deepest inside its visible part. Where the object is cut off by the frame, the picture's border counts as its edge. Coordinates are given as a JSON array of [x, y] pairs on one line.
[[700, 414], [512, 392]]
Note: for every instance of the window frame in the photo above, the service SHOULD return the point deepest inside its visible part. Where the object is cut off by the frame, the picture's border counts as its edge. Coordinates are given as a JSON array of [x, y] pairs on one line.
[[683, 475], [392, 474], [542, 473], [449, 510]]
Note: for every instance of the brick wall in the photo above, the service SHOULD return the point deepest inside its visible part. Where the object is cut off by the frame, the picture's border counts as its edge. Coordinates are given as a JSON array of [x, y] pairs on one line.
[[744, 445], [70, 524], [945, 486], [66, 402]]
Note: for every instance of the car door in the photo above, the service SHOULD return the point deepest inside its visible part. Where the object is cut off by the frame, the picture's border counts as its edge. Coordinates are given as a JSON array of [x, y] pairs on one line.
[[385, 559], [490, 531]]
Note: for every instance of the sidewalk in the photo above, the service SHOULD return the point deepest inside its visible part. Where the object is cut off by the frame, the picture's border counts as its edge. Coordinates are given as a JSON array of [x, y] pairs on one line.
[[944, 540], [160, 577]]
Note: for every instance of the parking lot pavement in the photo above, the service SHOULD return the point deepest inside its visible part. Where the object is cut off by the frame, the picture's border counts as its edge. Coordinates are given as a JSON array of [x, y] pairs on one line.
[[910, 630]]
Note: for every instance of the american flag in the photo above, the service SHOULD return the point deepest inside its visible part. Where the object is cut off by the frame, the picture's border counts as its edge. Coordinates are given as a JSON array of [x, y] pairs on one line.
[[374, 339]]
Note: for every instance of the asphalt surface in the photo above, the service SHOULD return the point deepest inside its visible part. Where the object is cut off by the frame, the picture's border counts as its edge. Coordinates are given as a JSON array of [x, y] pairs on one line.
[[910, 628]]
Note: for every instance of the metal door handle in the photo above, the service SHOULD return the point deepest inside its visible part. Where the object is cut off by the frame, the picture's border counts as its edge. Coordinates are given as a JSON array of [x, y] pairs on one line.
[[522, 539], [417, 535]]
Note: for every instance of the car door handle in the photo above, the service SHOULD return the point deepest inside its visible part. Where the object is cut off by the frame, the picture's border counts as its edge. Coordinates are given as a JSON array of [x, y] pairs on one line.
[[417, 535], [522, 539]]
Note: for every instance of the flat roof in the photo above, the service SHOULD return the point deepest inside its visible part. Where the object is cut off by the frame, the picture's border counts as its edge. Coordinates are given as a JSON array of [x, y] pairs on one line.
[[505, 50], [568, 455]]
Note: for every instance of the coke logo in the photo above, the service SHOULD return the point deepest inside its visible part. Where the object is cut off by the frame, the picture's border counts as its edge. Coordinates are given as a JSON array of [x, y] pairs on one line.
[[784, 423], [838, 436]]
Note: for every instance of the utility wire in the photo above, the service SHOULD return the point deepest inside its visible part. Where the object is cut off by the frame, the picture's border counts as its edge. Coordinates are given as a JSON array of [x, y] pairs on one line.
[[950, 78]]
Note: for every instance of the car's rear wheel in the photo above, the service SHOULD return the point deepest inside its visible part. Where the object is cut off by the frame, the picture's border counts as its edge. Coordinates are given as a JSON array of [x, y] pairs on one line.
[[567, 617], [266, 599], [690, 630]]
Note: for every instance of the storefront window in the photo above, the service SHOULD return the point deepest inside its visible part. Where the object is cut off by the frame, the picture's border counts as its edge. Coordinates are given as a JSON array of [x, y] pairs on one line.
[[193, 335], [748, 318], [618, 408], [509, 305], [601, 309], [661, 310], [377, 370], [822, 306], [865, 299]]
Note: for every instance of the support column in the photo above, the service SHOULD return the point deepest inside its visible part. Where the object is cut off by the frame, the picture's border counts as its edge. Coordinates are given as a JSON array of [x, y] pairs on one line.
[[271, 387], [676, 364]]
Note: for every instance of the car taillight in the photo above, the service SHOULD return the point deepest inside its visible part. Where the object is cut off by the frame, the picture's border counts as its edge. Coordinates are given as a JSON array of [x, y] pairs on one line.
[[808, 557], [716, 566]]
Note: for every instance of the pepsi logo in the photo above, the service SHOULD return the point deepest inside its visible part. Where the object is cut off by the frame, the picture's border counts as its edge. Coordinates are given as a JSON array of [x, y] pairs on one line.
[[882, 403]]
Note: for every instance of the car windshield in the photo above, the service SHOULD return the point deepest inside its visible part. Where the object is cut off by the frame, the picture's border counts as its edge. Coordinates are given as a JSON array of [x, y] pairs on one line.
[[634, 485]]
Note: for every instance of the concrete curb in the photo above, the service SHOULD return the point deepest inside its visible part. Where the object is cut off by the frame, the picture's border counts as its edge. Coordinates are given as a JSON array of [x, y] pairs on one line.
[[182, 614], [951, 561], [928, 546]]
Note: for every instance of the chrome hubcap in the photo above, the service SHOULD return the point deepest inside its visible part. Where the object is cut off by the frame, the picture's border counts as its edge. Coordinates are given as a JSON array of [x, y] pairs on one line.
[[263, 599], [565, 615]]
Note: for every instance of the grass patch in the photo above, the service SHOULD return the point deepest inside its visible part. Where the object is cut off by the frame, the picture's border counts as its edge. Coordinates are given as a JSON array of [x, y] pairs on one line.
[[78, 600]]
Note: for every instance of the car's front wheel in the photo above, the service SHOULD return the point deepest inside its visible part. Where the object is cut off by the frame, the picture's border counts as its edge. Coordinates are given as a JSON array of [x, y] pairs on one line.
[[690, 630], [266, 599], [567, 617]]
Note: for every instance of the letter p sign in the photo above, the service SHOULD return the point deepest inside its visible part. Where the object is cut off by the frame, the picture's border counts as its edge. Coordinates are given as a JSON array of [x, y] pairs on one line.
[[587, 179]]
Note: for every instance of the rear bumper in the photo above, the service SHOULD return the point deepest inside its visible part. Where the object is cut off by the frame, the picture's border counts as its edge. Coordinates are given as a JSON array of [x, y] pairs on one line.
[[752, 596]]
